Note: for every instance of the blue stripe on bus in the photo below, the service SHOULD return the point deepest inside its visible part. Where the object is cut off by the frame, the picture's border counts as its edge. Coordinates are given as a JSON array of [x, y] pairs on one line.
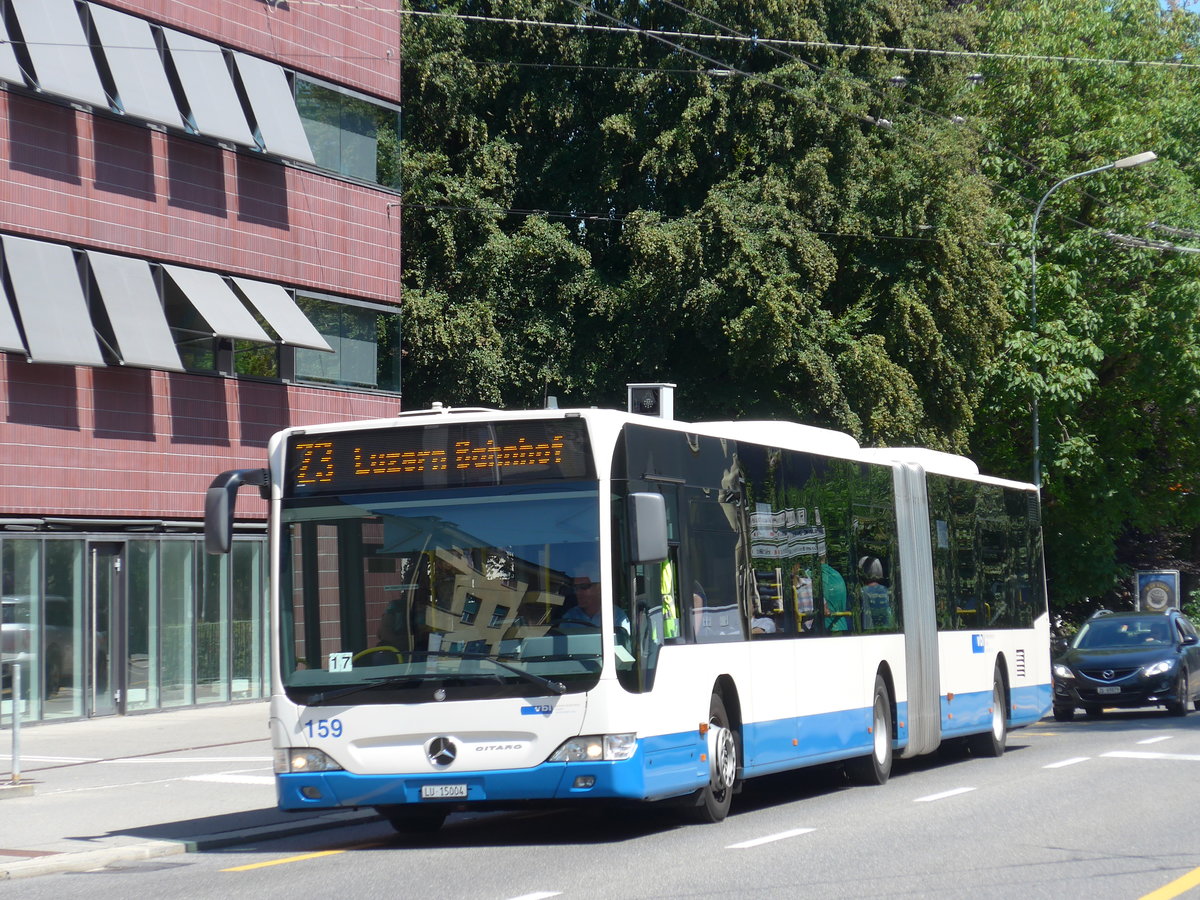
[[663, 765], [971, 713]]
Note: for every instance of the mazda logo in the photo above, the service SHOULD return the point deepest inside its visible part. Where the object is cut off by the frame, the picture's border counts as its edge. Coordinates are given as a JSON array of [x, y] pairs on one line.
[[441, 751], [1108, 674]]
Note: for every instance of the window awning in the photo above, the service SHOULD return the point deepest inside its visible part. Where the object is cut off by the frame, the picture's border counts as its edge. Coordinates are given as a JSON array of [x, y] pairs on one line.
[[274, 107], [58, 327], [208, 86], [10, 71], [62, 58], [281, 312], [134, 311], [137, 69], [10, 336], [217, 304]]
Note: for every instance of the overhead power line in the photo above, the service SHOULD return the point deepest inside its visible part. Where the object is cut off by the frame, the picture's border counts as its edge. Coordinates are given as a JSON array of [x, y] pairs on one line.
[[755, 40]]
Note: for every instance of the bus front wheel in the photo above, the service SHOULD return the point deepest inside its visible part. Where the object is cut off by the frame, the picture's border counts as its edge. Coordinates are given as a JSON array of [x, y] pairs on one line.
[[715, 797], [875, 767]]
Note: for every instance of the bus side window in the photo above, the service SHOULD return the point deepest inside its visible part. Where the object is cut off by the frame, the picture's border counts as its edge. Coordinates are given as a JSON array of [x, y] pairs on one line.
[[838, 615]]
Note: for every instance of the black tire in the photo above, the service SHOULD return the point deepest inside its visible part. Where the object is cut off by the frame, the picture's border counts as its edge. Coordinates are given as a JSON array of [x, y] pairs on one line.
[[414, 820], [1064, 713], [876, 766], [993, 741], [714, 799], [1180, 706]]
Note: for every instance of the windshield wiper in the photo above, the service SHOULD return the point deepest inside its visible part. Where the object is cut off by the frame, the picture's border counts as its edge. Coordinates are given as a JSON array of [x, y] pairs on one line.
[[322, 697], [555, 687], [325, 696]]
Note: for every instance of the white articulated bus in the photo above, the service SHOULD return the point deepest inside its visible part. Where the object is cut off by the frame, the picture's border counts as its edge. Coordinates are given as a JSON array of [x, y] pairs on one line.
[[483, 609]]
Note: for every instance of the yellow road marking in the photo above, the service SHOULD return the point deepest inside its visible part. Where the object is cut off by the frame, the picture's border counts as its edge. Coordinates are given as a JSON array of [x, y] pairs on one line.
[[280, 862], [1176, 887]]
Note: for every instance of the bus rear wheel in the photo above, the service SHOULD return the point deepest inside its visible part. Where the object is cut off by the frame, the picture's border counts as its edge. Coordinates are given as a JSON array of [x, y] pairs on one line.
[[414, 820], [712, 805], [992, 742], [876, 767]]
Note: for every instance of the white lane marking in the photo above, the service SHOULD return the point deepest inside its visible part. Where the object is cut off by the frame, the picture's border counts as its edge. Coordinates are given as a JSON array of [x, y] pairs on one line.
[[944, 794], [1155, 740], [1067, 762], [233, 779], [25, 757], [540, 895], [1133, 754], [781, 836]]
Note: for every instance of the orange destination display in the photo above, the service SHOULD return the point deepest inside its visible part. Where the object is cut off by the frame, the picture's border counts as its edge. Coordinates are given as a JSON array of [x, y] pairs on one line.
[[437, 456]]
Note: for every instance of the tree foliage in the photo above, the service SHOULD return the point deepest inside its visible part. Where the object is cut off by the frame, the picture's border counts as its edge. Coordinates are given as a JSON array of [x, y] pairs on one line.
[[1113, 358], [825, 230]]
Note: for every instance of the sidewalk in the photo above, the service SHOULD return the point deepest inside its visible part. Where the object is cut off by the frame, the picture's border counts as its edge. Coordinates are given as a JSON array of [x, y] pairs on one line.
[[96, 792]]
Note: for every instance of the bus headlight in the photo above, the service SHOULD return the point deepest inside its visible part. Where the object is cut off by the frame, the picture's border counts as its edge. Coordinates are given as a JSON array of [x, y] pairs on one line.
[[303, 759], [596, 747]]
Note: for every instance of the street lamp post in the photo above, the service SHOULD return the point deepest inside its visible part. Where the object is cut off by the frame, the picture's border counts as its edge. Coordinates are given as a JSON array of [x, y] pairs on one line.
[[1127, 163]]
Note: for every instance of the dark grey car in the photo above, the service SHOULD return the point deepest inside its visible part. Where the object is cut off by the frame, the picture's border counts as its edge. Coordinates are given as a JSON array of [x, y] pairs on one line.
[[1129, 660]]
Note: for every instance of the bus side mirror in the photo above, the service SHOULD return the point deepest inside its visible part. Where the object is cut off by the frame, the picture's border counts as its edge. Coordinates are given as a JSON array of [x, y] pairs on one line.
[[220, 501], [647, 515]]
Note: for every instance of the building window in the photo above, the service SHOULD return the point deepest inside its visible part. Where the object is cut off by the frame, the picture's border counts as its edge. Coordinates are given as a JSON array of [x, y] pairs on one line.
[[470, 609], [365, 341], [349, 133]]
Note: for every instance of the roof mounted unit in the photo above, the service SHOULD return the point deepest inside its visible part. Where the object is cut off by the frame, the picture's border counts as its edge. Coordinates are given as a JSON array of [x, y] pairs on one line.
[[655, 399]]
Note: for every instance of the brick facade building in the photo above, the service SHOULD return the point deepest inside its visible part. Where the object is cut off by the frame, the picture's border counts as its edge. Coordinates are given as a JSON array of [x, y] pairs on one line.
[[199, 229]]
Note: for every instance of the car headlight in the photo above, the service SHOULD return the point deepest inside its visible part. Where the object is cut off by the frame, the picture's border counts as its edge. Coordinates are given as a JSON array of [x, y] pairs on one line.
[[596, 747], [1159, 668], [1061, 671], [303, 759]]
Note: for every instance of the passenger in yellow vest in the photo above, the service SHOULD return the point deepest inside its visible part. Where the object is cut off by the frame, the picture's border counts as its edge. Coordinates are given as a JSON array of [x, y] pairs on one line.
[[669, 610]]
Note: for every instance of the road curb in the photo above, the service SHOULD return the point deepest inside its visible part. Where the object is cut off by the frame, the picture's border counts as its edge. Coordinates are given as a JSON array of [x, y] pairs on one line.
[[12, 791], [87, 860]]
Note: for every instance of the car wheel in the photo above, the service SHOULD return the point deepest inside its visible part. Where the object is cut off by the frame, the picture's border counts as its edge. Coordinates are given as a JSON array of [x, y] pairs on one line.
[[1064, 713], [1179, 706]]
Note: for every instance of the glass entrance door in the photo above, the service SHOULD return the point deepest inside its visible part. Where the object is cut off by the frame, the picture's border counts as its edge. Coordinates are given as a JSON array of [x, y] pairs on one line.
[[107, 633]]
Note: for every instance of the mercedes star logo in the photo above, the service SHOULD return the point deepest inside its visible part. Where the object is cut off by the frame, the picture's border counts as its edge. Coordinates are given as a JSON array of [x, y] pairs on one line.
[[441, 751]]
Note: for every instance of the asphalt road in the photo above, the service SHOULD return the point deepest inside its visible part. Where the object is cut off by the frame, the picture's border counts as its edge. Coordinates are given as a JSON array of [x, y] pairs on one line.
[[1088, 809]]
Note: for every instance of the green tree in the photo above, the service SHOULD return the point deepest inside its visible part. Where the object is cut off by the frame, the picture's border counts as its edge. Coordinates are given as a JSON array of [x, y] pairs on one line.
[[1114, 358], [732, 217]]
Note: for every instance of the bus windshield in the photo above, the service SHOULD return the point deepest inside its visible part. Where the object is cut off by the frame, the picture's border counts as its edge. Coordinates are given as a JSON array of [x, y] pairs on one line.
[[394, 597]]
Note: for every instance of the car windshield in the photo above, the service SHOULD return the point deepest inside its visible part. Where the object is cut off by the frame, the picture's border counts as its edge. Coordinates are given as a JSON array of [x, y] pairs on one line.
[[1111, 634], [387, 597]]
